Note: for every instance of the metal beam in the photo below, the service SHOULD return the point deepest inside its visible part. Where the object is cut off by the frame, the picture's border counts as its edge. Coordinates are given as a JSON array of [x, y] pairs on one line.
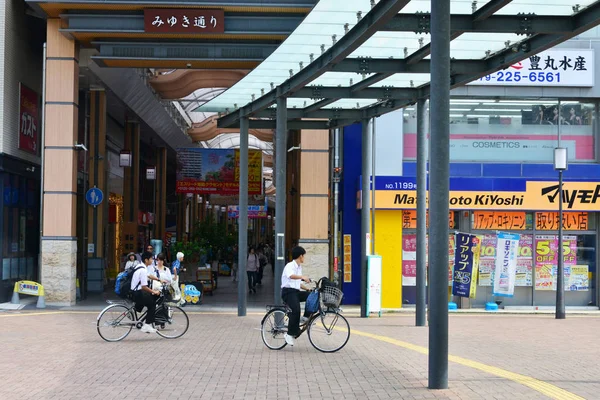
[[519, 24], [324, 113], [300, 124], [332, 92], [243, 218], [235, 23], [222, 51], [280, 201], [489, 9], [380, 65], [379, 15]]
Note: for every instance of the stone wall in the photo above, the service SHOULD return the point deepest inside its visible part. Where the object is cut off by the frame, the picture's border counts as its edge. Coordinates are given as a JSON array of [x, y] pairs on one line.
[[59, 271], [316, 260]]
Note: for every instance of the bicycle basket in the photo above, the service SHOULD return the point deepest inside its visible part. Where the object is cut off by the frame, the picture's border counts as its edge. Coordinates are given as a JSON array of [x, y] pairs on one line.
[[331, 296]]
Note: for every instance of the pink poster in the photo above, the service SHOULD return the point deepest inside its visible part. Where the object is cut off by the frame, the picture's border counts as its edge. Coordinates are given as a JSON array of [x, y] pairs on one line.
[[487, 261], [546, 259], [409, 260]]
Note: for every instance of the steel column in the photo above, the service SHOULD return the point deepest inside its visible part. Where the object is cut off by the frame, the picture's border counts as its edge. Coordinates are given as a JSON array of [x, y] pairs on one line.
[[243, 217], [280, 197], [560, 279], [421, 306], [367, 137], [336, 204], [438, 199]]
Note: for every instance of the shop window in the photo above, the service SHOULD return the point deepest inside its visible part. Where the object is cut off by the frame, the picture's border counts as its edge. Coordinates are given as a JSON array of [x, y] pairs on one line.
[[513, 130]]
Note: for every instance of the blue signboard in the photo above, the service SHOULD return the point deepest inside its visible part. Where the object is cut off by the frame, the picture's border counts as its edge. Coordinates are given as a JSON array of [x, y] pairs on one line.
[[94, 196]]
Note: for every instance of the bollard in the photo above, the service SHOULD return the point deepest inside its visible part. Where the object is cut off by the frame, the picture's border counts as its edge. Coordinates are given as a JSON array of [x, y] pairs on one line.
[[15, 298]]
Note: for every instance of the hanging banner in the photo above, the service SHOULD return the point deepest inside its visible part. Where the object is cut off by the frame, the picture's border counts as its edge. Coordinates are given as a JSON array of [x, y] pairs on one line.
[[451, 260], [507, 248], [487, 261], [466, 265], [546, 259], [28, 119], [216, 171]]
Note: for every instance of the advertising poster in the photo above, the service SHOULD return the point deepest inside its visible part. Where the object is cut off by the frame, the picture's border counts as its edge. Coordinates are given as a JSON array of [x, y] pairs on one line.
[[216, 171], [487, 262], [578, 279], [546, 259], [409, 260], [253, 212], [507, 248], [466, 265]]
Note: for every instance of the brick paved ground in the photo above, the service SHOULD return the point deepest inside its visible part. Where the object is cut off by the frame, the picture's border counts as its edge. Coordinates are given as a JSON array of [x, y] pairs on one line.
[[61, 356]]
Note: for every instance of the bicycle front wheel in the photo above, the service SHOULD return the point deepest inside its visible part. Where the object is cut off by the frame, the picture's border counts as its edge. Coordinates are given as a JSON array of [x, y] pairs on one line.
[[171, 322], [115, 322], [273, 329], [329, 332]]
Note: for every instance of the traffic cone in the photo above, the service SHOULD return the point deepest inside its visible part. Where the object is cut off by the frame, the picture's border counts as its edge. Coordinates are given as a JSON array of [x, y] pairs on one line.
[[41, 303], [15, 298]]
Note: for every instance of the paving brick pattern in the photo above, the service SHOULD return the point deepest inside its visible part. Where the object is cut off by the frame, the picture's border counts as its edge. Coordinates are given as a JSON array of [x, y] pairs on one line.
[[61, 356]]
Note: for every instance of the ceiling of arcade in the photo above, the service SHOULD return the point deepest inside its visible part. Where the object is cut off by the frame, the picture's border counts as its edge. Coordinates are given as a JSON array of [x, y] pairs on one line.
[[186, 69]]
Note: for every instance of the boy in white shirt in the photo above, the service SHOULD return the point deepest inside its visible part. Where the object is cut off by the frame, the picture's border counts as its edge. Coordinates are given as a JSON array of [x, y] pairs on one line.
[[144, 295], [291, 281]]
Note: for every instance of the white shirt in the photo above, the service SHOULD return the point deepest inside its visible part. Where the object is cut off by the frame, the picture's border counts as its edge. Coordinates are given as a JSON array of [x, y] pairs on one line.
[[159, 273], [291, 268], [140, 278]]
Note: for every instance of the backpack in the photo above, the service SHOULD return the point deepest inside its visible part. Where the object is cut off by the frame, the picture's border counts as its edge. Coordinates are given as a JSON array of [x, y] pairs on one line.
[[123, 282], [262, 260]]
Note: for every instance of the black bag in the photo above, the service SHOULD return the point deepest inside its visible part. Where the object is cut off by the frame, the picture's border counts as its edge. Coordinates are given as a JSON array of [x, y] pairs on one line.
[[262, 260], [123, 283]]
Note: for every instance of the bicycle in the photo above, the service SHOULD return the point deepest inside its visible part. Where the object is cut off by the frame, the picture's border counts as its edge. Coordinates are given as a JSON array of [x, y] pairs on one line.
[[321, 326], [120, 317]]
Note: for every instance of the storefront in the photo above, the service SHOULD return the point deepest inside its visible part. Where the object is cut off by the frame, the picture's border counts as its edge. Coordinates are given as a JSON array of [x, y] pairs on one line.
[[524, 206]]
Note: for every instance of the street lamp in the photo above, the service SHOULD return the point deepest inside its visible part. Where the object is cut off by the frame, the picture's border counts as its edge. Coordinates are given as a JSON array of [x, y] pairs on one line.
[[560, 164]]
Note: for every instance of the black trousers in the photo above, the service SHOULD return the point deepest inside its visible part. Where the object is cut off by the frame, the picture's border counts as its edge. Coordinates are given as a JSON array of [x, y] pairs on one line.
[[293, 297], [259, 274], [142, 299], [251, 279]]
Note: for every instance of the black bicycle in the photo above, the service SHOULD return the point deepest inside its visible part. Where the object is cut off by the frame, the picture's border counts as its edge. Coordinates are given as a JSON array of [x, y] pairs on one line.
[[328, 330], [118, 319]]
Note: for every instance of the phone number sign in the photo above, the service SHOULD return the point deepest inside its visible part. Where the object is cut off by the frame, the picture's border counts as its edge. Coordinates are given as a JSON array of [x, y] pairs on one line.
[[569, 67]]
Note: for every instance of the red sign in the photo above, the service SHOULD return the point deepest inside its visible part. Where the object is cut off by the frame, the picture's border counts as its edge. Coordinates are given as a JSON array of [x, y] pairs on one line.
[[28, 120], [184, 21]]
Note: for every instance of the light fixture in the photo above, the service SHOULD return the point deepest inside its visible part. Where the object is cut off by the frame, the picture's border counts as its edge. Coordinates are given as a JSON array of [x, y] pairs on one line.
[[151, 173], [125, 158], [561, 162]]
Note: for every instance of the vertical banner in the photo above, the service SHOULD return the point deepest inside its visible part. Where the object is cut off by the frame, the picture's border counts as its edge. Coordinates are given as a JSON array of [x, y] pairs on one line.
[[347, 258], [466, 265], [507, 249], [28, 119], [487, 262], [451, 252], [546, 260]]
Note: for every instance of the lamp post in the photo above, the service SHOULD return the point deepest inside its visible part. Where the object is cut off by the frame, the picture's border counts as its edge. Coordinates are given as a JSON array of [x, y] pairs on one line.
[[560, 165]]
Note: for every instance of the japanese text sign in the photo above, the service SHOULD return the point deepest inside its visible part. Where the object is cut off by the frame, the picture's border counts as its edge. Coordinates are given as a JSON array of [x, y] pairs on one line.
[[546, 259], [507, 250], [409, 219], [513, 220], [466, 265], [572, 221], [196, 21], [347, 258], [28, 120], [557, 67]]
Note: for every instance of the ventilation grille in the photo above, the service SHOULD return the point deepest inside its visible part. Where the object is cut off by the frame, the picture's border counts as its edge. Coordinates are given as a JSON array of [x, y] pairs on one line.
[[187, 52], [133, 52], [247, 53]]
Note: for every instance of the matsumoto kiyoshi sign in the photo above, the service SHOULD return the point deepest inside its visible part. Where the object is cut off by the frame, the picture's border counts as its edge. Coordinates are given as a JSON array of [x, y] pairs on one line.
[[537, 195], [557, 67]]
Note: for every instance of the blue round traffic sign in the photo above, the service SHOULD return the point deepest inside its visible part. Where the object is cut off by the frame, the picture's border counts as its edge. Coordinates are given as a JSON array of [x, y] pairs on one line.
[[94, 196]]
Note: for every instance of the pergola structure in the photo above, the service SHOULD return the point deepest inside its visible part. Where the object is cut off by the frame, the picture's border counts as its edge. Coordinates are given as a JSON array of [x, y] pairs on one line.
[[431, 51]]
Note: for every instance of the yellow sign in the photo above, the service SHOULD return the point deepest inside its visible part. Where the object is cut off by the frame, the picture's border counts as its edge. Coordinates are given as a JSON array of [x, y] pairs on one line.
[[29, 287], [409, 219], [572, 221], [347, 258], [492, 220], [542, 196]]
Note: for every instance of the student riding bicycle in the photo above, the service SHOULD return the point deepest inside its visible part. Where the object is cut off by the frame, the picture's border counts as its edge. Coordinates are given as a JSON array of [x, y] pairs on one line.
[[144, 295], [291, 282]]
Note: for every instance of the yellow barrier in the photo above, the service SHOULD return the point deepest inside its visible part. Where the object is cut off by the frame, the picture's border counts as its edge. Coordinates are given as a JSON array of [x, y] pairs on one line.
[[30, 288]]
